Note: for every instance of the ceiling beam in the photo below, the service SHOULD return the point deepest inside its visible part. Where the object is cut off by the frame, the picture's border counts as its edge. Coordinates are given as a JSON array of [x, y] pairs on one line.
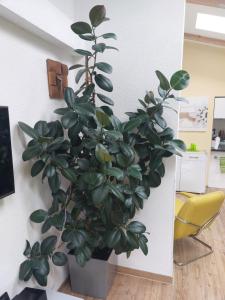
[[214, 3], [204, 39]]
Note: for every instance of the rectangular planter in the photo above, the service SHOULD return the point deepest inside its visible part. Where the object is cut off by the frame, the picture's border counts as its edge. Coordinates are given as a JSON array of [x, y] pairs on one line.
[[95, 278]]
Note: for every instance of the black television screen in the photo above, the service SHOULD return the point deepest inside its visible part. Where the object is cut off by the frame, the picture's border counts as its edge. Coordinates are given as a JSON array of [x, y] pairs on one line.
[[6, 163]]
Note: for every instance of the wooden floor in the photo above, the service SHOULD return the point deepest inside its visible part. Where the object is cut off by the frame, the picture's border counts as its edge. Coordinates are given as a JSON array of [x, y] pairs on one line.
[[201, 280]]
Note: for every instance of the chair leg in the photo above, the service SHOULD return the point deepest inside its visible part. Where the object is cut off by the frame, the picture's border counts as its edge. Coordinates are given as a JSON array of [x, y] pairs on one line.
[[180, 263]]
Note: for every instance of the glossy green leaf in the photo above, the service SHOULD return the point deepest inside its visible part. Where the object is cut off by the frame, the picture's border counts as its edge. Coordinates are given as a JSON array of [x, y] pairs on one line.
[[38, 216], [83, 52], [97, 15], [143, 245], [105, 99], [37, 167], [70, 174], [102, 154], [48, 245], [132, 124], [164, 83], [114, 189], [109, 35], [104, 82], [54, 183], [100, 194], [113, 238], [180, 80], [93, 179], [135, 172], [59, 259], [87, 37], [104, 67], [81, 28], [136, 227], [102, 118], [36, 250], [179, 144], [28, 130], [154, 179], [69, 97], [27, 250], [111, 48], [115, 172], [69, 119], [99, 47], [50, 170], [80, 73], [25, 272], [41, 279], [31, 152], [77, 66], [140, 191]]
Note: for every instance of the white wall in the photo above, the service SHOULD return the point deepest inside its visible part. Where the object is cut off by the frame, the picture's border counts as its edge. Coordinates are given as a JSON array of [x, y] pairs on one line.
[[23, 87], [150, 37]]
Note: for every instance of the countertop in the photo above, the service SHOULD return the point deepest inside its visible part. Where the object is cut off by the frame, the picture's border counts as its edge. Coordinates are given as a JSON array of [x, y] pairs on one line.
[[217, 150]]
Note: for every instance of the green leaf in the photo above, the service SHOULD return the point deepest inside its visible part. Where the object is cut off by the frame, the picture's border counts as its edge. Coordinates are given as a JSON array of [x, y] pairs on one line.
[[140, 191], [93, 179], [127, 150], [104, 82], [133, 124], [102, 118], [25, 272], [111, 48], [38, 216], [77, 66], [109, 35], [116, 191], [46, 225], [70, 174], [80, 73], [81, 28], [37, 167], [99, 47], [135, 172], [61, 162], [84, 164], [102, 154], [100, 194], [104, 67], [41, 280], [164, 83], [69, 119], [150, 98], [41, 127], [59, 259], [105, 99], [179, 144], [115, 172], [62, 111], [89, 90], [154, 179], [97, 15], [180, 80], [114, 135], [28, 130], [69, 97], [113, 238], [36, 250], [87, 37], [27, 250], [132, 240], [54, 182], [143, 245], [31, 152], [85, 109], [50, 170], [83, 52], [136, 227], [48, 245]]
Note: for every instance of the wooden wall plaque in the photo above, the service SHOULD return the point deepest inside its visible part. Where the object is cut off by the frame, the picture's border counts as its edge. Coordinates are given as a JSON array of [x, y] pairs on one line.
[[57, 78]]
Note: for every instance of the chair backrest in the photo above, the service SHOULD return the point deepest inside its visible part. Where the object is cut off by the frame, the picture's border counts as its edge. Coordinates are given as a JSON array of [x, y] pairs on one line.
[[198, 210]]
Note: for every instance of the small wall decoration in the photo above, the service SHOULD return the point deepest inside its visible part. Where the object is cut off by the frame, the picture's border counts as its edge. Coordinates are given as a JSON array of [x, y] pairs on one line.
[[57, 79], [194, 114]]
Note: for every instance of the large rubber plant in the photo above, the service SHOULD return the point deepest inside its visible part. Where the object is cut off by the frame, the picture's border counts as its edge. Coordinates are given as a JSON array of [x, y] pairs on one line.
[[109, 166]]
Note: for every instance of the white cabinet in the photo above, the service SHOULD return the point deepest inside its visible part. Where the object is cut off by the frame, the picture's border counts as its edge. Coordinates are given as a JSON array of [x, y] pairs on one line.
[[191, 172], [219, 108], [216, 178]]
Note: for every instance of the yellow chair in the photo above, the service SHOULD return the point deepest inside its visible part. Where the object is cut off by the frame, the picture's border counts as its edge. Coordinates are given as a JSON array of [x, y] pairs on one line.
[[194, 215]]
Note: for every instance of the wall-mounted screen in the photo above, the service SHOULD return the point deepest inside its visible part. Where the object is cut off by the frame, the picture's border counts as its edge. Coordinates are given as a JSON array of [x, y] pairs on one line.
[[6, 163]]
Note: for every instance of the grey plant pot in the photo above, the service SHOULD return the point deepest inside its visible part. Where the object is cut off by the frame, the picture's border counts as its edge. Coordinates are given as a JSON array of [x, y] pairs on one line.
[[95, 278]]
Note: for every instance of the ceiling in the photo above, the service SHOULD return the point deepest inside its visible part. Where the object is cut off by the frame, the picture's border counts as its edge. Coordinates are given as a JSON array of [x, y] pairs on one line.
[[191, 15]]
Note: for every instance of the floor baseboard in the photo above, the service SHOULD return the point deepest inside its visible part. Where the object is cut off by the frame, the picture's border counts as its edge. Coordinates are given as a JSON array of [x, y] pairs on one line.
[[146, 275]]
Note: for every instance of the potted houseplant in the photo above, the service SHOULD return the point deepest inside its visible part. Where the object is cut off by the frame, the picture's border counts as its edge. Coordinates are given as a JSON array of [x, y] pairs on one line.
[[110, 167]]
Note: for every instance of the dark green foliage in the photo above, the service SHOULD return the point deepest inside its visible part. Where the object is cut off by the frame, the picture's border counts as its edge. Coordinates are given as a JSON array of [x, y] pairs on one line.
[[110, 166]]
